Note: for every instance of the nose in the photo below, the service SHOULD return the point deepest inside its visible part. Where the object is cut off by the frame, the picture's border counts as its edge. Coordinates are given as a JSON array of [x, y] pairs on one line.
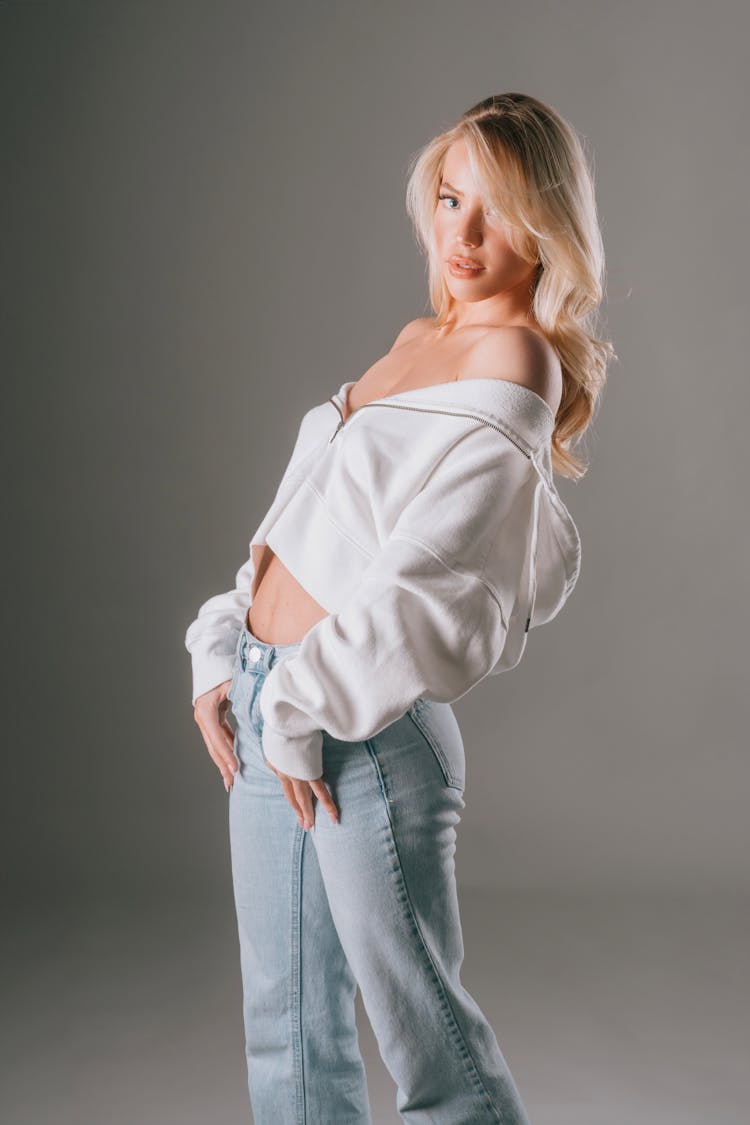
[[469, 229]]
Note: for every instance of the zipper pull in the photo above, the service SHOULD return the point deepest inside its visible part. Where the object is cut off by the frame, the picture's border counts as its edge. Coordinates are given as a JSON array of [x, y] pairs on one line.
[[341, 419]]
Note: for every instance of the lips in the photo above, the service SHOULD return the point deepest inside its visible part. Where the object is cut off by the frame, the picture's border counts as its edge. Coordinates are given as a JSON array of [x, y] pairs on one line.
[[466, 263]]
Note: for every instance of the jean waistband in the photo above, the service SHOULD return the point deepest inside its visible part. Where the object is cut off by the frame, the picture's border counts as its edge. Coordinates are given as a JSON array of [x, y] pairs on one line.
[[260, 656]]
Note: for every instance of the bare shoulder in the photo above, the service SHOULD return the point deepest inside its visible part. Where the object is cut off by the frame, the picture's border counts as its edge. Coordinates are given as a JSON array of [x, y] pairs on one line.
[[519, 354], [411, 331]]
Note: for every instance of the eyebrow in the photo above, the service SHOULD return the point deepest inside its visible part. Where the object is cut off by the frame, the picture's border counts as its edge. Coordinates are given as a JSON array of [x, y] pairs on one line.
[[445, 184]]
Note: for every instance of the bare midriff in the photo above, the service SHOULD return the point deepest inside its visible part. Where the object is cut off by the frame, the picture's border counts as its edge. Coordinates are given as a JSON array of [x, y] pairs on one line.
[[282, 610]]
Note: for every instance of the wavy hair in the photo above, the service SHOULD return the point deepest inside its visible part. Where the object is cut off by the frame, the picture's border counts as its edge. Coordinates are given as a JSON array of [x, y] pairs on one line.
[[532, 167]]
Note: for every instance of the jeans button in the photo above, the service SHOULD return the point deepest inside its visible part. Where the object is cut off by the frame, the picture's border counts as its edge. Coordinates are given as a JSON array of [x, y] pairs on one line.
[[254, 654]]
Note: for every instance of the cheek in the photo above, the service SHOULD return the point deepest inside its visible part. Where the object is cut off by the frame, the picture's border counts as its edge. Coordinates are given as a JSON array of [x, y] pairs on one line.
[[503, 256], [443, 222], [500, 244]]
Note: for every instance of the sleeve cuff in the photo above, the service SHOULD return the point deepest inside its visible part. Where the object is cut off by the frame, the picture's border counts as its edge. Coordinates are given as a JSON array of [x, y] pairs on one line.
[[210, 671], [300, 757]]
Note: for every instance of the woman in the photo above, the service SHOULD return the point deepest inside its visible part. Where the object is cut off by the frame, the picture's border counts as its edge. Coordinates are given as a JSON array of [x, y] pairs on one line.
[[414, 540]]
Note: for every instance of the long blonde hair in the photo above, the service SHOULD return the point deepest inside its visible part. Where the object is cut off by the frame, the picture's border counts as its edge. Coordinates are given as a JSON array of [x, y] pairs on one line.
[[533, 168]]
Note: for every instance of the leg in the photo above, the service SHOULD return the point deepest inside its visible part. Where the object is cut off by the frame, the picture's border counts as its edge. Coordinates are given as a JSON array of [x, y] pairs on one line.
[[389, 874], [303, 1060]]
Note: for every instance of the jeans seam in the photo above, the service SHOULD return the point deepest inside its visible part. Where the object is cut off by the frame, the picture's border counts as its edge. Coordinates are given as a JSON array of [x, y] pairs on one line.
[[295, 983], [253, 708], [405, 898]]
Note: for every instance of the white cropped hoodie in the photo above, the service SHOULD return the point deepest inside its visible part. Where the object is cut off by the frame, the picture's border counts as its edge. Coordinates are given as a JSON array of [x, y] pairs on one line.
[[429, 528]]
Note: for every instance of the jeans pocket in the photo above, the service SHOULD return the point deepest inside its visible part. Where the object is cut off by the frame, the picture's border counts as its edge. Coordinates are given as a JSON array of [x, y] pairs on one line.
[[439, 728]]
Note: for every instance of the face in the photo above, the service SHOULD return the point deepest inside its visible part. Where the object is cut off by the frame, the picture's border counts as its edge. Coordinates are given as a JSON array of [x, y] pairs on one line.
[[467, 228]]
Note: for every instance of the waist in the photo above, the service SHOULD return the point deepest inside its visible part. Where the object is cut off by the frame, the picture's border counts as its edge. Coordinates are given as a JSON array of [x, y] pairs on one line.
[[257, 655]]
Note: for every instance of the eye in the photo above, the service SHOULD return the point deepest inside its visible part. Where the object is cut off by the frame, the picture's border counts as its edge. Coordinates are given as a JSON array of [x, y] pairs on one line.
[[491, 212]]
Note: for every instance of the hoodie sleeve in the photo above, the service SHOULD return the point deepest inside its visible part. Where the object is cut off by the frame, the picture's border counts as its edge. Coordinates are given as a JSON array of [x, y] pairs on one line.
[[212, 638], [427, 618]]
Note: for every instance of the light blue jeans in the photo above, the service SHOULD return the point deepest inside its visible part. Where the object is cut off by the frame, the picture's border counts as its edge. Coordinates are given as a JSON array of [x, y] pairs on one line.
[[368, 902]]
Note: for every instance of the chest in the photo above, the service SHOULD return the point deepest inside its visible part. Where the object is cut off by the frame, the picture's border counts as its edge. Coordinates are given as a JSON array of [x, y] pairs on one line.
[[411, 366]]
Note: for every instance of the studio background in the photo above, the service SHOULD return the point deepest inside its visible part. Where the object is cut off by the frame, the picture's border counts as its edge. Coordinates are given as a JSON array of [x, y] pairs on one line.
[[204, 235]]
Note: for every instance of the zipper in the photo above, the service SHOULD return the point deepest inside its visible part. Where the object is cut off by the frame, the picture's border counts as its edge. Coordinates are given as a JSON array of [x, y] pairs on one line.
[[430, 410], [341, 416]]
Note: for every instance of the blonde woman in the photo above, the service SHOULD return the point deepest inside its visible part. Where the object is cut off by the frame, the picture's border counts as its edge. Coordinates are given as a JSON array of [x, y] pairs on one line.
[[415, 539]]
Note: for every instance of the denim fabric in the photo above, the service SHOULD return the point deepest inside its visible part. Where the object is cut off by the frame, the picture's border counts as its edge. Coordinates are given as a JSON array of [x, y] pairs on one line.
[[368, 902]]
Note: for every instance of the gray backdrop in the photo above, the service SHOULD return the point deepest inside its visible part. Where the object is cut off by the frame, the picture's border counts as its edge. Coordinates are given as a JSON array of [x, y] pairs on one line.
[[204, 235]]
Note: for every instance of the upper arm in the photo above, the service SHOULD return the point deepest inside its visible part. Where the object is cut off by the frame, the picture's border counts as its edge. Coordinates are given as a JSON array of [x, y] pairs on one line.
[[520, 355]]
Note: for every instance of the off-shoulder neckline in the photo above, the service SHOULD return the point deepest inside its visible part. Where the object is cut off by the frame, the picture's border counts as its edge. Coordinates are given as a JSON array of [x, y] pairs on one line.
[[432, 388]]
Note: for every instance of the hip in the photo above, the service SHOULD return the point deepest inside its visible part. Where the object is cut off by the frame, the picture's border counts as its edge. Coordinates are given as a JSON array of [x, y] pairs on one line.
[[422, 746]]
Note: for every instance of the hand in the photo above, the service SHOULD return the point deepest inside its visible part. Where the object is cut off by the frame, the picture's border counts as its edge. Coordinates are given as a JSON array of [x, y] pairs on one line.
[[301, 796], [210, 713]]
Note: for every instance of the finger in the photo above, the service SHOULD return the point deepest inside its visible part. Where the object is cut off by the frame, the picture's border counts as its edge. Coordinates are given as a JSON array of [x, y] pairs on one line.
[[293, 803], [303, 794], [321, 791], [286, 785], [219, 749], [210, 713], [218, 756], [231, 735], [225, 769], [225, 736]]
